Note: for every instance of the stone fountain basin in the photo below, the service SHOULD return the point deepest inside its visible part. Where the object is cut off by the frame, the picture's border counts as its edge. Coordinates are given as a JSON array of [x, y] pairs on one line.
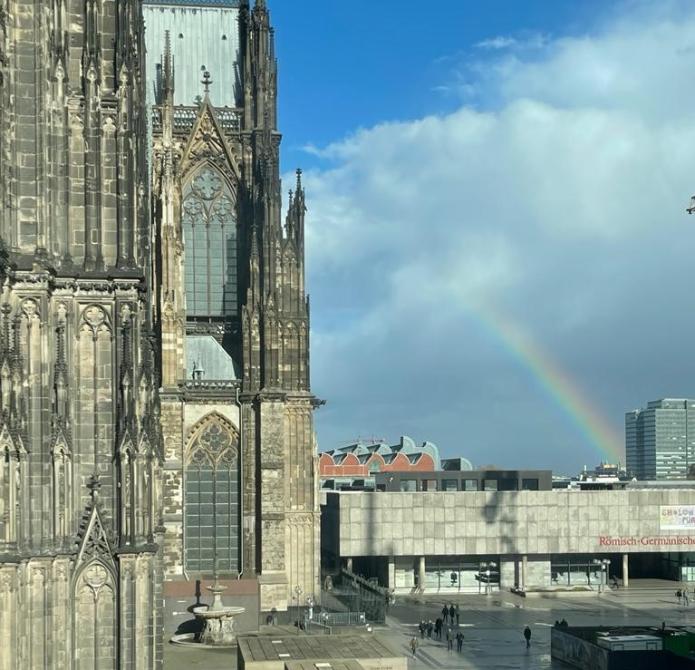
[[205, 612]]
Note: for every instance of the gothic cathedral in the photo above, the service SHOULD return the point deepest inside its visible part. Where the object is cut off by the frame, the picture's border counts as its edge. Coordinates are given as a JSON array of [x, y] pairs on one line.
[[80, 456], [156, 418], [232, 316]]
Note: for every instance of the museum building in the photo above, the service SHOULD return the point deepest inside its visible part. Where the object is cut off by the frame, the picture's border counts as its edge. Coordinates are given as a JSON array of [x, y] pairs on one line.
[[478, 541]]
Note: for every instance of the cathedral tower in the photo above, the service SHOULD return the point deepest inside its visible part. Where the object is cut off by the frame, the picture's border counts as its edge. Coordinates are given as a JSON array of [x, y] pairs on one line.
[[240, 492], [80, 458]]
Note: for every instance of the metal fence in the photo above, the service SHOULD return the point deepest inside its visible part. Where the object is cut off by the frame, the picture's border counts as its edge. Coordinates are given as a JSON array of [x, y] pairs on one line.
[[353, 595]]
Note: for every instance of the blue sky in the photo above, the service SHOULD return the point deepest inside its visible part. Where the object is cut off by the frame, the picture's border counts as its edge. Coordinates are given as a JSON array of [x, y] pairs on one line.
[[349, 64], [531, 160]]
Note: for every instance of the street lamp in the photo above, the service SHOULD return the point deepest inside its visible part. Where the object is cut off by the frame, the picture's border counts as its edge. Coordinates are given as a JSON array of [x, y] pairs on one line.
[[487, 569], [605, 569], [602, 565]]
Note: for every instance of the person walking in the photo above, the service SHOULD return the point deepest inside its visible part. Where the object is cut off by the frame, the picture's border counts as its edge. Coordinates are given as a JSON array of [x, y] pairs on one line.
[[413, 645], [459, 642], [679, 595], [452, 614], [445, 612], [686, 602], [430, 628], [438, 628], [527, 636], [422, 627], [458, 613]]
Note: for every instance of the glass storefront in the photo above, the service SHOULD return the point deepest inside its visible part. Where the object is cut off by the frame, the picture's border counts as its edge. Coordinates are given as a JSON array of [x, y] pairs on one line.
[[578, 570], [450, 574]]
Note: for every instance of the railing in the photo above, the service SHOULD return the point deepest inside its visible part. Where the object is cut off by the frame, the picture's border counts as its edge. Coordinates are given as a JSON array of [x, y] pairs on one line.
[[209, 385], [356, 594], [185, 117], [342, 618]]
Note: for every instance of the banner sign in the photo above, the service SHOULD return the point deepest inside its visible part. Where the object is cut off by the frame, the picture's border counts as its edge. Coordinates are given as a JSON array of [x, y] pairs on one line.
[[677, 517]]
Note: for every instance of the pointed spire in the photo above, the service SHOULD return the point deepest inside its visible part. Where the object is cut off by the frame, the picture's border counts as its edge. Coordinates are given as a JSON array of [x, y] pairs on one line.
[[207, 82], [168, 68], [254, 240], [299, 180]]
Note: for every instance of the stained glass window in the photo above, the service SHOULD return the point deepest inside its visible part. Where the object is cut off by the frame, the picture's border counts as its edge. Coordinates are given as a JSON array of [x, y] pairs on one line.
[[210, 239], [211, 531]]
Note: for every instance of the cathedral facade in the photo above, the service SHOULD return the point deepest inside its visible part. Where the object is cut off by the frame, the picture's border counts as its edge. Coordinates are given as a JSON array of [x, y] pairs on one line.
[[80, 443], [240, 467]]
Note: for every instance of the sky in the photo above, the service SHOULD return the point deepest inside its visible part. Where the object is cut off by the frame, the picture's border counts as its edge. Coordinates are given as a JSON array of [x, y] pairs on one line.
[[499, 258]]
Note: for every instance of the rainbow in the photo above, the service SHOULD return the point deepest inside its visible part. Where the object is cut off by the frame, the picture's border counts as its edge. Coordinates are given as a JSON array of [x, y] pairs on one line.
[[595, 428]]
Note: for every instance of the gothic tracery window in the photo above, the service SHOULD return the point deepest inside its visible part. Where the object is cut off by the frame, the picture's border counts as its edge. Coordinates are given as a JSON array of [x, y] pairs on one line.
[[211, 533], [210, 239]]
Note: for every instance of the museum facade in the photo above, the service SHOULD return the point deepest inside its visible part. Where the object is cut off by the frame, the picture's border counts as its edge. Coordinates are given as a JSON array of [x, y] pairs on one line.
[[480, 541]]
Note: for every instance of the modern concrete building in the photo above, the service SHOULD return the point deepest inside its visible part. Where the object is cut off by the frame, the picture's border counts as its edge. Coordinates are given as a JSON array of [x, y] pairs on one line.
[[357, 464], [660, 439], [466, 480], [461, 541]]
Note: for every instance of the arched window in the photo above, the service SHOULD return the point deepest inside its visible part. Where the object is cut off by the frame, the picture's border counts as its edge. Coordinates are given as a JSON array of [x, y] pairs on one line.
[[210, 239], [211, 501]]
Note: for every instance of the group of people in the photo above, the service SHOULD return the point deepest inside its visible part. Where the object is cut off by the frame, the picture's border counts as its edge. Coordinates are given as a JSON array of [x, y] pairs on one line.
[[449, 614], [682, 595]]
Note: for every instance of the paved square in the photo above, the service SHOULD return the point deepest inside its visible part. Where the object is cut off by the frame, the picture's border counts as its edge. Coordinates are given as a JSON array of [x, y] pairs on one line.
[[493, 627]]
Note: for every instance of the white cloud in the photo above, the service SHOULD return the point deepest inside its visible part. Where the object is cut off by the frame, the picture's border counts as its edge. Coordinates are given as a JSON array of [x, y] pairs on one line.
[[499, 42], [562, 206], [506, 42]]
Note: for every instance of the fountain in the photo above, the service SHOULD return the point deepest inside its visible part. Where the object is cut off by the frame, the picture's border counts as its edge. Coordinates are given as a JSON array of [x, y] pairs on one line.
[[218, 622]]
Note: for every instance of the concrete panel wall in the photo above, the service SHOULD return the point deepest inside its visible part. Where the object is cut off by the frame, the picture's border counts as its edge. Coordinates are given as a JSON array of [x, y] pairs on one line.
[[504, 523]]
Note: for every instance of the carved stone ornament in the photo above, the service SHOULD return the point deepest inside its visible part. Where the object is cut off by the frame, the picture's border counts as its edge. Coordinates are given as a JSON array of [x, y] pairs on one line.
[[30, 308], [95, 317], [95, 544]]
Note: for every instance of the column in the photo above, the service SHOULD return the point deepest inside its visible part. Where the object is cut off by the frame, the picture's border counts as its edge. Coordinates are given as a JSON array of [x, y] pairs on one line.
[[421, 573], [524, 572], [392, 572], [626, 570]]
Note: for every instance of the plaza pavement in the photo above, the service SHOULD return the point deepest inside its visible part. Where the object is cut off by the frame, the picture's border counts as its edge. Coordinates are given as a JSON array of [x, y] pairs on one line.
[[493, 627]]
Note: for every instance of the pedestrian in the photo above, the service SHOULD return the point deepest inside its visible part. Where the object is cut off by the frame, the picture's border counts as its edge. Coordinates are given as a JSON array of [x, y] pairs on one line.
[[563, 623], [452, 614], [422, 628], [438, 628], [449, 640], [527, 636], [686, 602], [445, 612], [430, 628], [616, 586], [459, 642], [457, 614], [679, 595], [413, 645]]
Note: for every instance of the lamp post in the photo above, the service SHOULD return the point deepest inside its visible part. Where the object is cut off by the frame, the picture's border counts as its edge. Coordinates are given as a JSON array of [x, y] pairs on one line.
[[487, 569]]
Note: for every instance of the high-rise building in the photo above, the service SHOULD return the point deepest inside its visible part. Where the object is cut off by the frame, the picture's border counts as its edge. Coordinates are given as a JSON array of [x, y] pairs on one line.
[[660, 439], [240, 488], [80, 519]]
